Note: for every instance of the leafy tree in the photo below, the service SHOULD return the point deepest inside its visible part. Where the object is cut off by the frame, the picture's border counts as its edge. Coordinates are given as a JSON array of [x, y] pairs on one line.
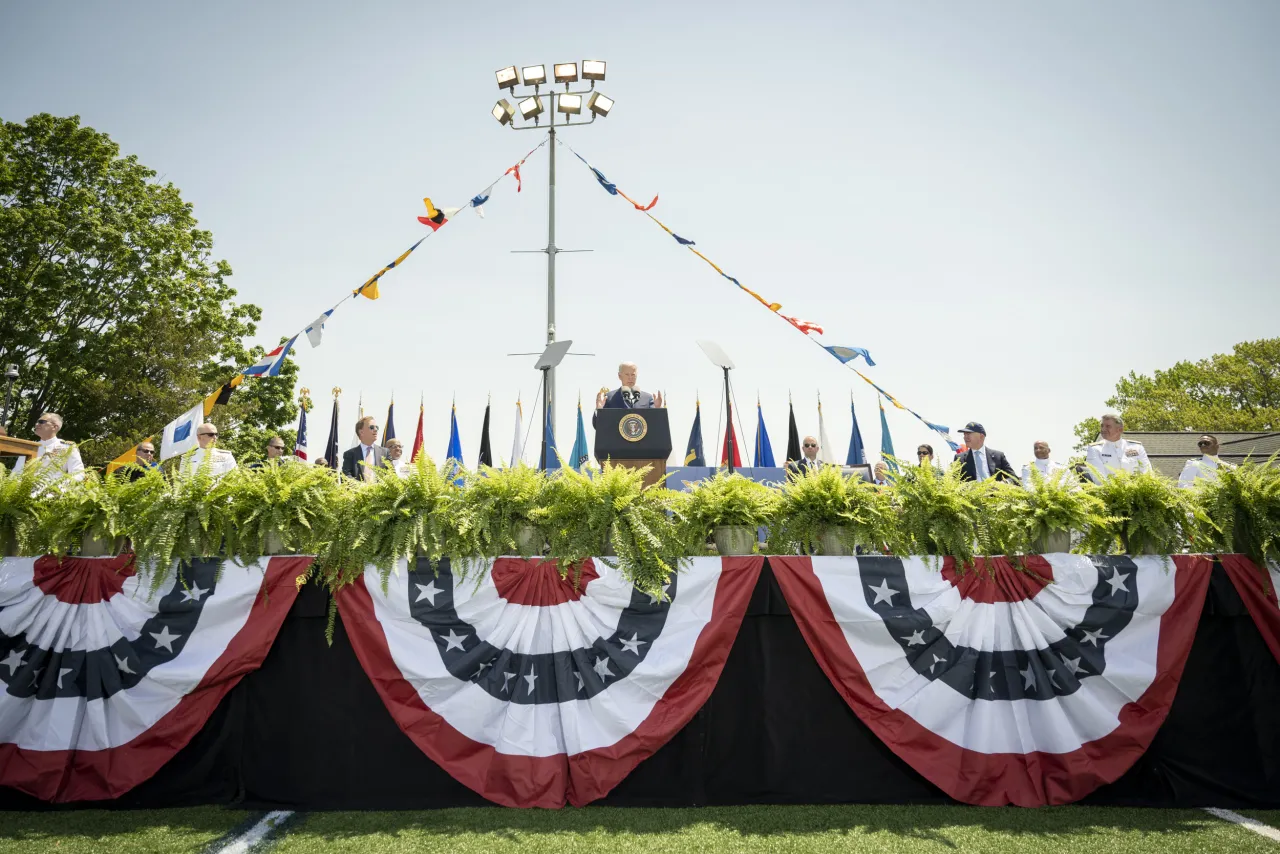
[[110, 300], [1230, 392]]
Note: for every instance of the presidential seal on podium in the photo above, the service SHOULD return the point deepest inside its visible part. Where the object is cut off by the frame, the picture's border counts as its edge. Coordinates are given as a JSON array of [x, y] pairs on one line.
[[633, 427]]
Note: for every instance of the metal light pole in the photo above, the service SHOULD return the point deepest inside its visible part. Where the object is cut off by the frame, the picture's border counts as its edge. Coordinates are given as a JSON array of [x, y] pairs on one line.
[[530, 106]]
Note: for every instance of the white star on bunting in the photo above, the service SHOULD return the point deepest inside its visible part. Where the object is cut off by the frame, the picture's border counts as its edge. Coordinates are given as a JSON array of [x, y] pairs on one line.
[[164, 638], [916, 639], [531, 677], [453, 640], [653, 600], [1093, 637], [937, 659], [14, 660], [122, 664], [1030, 676], [633, 645], [506, 677], [63, 671], [884, 593], [1073, 664], [602, 669], [429, 591], [193, 593], [1117, 582]]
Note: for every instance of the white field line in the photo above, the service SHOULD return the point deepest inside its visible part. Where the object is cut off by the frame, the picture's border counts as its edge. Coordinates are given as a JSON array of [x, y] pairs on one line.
[[243, 843], [1244, 821]]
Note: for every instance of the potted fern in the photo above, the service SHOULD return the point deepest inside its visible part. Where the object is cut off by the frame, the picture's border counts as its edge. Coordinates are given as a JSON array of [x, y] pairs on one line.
[[1143, 514], [19, 510], [1049, 509], [278, 508], [402, 516], [941, 514], [609, 510], [825, 511], [509, 509], [1241, 507], [180, 519], [83, 516], [729, 508]]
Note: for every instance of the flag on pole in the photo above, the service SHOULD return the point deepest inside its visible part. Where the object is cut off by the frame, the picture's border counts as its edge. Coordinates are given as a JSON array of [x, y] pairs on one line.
[[693, 455], [857, 454], [389, 432], [580, 454], [793, 435], [550, 459], [724, 452], [269, 365], [180, 433], [486, 453], [300, 443], [454, 452], [316, 329], [331, 446], [886, 441], [417, 437], [826, 453], [517, 444], [355, 436], [764, 451]]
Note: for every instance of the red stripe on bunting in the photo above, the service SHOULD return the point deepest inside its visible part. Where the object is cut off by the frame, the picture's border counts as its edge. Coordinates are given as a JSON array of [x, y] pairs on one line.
[[63, 776], [538, 582], [551, 781], [996, 779], [996, 579], [1258, 590], [82, 580]]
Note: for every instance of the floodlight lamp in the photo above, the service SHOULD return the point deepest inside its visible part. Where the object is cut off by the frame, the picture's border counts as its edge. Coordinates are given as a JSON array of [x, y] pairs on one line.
[[570, 105], [565, 72], [531, 108], [507, 77], [534, 75], [504, 112], [592, 69], [599, 104], [11, 372]]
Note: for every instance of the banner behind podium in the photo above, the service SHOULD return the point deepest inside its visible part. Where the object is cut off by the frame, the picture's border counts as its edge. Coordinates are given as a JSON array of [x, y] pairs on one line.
[[634, 438]]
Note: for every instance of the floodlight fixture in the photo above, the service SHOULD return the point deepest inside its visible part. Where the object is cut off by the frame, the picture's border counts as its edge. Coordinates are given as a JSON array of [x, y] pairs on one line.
[[504, 112], [593, 69], [531, 107], [565, 72], [507, 77], [534, 75], [570, 105], [599, 104]]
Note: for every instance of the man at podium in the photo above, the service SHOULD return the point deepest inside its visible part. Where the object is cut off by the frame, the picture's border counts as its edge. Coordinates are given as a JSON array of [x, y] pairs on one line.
[[626, 396]]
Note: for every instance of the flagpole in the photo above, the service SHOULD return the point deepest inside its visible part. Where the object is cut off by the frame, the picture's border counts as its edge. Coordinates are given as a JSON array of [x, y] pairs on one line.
[[551, 265]]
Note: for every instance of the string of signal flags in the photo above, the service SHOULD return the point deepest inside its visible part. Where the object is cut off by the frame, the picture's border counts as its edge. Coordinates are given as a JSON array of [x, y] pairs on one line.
[[179, 434]]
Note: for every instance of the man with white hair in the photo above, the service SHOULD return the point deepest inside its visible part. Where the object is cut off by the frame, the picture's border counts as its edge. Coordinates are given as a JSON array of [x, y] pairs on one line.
[[626, 395], [1113, 452], [58, 458], [220, 461]]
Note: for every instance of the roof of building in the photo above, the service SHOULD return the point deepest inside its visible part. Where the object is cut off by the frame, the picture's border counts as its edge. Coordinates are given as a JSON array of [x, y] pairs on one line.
[[1170, 450]]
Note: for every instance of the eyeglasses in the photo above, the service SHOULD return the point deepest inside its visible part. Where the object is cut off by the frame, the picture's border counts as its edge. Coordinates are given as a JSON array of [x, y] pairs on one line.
[[214, 435], [810, 445], [1202, 443], [147, 451], [43, 421]]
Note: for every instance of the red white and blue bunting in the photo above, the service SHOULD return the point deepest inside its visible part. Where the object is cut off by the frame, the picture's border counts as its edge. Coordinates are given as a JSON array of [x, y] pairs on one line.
[[537, 691], [1003, 686], [105, 680]]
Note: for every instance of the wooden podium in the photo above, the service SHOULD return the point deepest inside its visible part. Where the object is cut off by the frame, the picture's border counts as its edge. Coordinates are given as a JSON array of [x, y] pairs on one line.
[[635, 438], [11, 447]]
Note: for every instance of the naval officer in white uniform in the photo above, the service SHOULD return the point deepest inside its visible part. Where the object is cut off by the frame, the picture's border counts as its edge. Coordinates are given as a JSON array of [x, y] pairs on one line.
[[1047, 467], [58, 459], [220, 461], [1114, 452], [1207, 466]]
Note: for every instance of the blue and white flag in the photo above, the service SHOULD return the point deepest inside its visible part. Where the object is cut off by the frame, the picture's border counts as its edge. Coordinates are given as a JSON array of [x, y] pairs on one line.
[[848, 354], [180, 433], [270, 364], [316, 329]]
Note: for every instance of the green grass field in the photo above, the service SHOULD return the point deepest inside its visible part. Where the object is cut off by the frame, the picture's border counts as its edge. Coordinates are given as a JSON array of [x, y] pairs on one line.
[[621, 831]]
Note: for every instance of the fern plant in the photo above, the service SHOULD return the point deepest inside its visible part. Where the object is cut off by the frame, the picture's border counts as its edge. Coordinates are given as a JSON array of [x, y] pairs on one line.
[[500, 501], [727, 499], [20, 510], [1142, 514], [1242, 511], [283, 501], [180, 519], [1020, 519], [87, 507], [938, 513], [824, 500], [595, 507], [398, 518]]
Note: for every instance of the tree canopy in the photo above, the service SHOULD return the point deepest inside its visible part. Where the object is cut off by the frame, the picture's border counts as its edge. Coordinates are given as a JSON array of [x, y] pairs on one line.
[[111, 302], [1228, 392]]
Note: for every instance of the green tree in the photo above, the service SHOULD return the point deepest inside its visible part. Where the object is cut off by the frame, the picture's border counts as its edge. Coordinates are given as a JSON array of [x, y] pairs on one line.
[[1229, 392], [110, 300]]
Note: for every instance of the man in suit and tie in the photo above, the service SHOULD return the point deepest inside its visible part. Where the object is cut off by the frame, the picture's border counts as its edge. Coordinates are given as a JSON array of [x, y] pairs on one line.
[[626, 396], [361, 461], [979, 462], [809, 457]]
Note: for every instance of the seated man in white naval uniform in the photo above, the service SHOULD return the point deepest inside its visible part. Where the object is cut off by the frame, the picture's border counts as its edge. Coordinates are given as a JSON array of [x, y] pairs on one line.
[[220, 461], [1114, 452], [58, 459], [1047, 467], [1206, 466]]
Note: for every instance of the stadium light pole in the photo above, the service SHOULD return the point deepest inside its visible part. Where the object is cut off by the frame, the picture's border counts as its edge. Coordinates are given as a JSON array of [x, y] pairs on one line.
[[529, 107]]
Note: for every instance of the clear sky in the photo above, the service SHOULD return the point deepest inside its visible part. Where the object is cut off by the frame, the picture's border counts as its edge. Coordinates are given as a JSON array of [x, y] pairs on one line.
[[1010, 204]]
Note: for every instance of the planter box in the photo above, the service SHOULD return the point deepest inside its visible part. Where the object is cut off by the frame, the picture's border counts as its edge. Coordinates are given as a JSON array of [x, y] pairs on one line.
[[830, 542], [734, 539]]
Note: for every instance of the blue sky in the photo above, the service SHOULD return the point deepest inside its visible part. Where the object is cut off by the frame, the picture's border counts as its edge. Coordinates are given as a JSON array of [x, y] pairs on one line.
[[1010, 204]]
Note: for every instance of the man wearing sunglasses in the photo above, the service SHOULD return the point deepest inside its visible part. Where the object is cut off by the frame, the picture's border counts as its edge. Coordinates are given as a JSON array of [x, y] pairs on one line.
[[1207, 466], [144, 458], [57, 458], [220, 461], [809, 457], [361, 461]]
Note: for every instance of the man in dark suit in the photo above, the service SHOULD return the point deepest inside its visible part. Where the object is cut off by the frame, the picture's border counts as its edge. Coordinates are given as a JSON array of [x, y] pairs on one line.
[[360, 461], [980, 462], [626, 396]]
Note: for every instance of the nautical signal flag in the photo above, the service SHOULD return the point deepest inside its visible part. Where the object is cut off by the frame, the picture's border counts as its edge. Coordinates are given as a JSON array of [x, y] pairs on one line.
[[180, 433], [435, 216], [270, 364], [847, 354]]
